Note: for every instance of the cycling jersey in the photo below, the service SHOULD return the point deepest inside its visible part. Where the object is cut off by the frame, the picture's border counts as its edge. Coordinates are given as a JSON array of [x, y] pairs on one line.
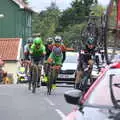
[[48, 51], [26, 51], [62, 46], [84, 56], [26, 48], [57, 60], [37, 51]]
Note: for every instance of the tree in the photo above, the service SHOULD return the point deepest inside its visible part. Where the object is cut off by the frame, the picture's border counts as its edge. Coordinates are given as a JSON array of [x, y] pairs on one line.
[[83, 6], [47, 21], [77, 13]]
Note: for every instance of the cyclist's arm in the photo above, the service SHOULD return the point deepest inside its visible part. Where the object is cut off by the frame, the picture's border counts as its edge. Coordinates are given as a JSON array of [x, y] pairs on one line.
[[31, 50], [70, 49], [64, 48], [43, 50], [50, 59], [64, 56]]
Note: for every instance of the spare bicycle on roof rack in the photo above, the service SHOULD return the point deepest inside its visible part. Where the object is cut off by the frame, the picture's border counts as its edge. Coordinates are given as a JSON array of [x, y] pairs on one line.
[[111, 30]]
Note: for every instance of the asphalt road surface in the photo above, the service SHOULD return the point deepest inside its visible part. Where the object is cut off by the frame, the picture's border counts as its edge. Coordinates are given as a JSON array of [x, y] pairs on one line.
[[18, 103]]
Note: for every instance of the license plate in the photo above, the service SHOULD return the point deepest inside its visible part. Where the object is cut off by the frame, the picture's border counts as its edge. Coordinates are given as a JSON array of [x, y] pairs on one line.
[[65, 76]]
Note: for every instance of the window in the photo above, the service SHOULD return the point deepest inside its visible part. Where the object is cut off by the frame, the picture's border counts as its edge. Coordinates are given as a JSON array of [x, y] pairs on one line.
[[29, 20], [101, 94]]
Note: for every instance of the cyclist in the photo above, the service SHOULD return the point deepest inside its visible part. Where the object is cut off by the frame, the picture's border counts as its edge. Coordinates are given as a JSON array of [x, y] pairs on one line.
[[85, 61], [49, 41], [27, 49], [55, 58], [37, 52], [58, 42]]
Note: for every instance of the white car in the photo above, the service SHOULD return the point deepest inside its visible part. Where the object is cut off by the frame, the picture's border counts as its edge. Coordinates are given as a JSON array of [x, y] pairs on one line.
[[67, 73], [101, 101]]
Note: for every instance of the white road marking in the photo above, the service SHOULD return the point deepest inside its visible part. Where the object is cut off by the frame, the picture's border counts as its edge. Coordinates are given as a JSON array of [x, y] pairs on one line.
[[49, 101], [62, 115]]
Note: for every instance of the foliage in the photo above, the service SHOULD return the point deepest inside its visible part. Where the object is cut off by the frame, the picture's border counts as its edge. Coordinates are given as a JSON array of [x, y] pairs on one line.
[[67, 23], [47, 21], [77, 13]]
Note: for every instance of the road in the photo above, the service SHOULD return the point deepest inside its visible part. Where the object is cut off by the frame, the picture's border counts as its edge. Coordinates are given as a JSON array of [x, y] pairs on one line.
[[17, 103]]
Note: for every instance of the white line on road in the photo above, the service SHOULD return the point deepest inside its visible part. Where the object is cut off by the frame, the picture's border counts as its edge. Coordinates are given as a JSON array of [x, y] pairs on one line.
[[62, 115], [49, 101]]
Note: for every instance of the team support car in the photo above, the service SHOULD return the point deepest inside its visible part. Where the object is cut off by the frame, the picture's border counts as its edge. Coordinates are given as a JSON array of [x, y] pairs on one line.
[[67, 72], [101, 101]]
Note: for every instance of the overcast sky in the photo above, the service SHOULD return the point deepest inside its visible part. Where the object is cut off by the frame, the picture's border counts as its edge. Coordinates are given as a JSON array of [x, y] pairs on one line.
[[39, 5]]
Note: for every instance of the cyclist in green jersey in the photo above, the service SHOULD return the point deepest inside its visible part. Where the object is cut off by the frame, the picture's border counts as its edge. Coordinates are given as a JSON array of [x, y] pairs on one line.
[[55, 58], [37, 52]]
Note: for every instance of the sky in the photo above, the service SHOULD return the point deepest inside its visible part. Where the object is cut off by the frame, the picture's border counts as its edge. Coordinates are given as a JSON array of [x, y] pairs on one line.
[[39, 5]]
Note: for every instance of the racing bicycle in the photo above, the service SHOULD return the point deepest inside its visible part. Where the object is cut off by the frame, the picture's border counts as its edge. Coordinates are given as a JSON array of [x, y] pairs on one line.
[[35, 73], [111, 30], [52, 73]]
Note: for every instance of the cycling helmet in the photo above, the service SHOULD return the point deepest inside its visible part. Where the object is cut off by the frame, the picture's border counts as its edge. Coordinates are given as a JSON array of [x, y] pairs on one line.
[[57, 51], [38, 41], [58, 39], [49, 40], [90, 41]]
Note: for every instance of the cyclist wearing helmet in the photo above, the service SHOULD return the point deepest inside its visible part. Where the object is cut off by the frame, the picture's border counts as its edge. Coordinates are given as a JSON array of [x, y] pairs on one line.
[[58, 42], [37, 48], [27, 49], [55, 58], [85, 60], [37, 52], [49, 41]]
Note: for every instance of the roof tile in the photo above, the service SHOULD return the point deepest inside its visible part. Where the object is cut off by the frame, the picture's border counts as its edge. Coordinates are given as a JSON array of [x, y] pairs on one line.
[[9, 48]]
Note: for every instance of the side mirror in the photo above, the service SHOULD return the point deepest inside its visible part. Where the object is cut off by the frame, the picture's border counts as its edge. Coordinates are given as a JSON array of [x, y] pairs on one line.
[[73, 96]]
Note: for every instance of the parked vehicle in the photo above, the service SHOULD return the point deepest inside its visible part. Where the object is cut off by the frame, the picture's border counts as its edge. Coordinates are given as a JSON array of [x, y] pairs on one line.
[[67, 72], [101, 101]]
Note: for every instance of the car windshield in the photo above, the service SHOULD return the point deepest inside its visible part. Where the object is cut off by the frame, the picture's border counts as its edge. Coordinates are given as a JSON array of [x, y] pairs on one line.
[[101, 95], [71, 57]]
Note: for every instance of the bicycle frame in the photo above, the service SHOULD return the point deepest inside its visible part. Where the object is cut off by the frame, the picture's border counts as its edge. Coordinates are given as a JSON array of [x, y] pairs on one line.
[[52, 76], [36, 73]]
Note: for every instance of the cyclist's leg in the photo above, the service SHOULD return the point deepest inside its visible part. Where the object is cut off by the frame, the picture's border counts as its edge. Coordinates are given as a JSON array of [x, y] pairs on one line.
[[79, 75], [97, 62], [41, 62], [79, 72], [39, 74], [31, 66], [90, 62], [102, 56], [55, 75]]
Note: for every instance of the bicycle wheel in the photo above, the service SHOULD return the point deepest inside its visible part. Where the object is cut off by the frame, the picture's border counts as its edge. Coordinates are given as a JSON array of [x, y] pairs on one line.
[[111, 32], [34, 78], [50, 81], [30, 78]]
